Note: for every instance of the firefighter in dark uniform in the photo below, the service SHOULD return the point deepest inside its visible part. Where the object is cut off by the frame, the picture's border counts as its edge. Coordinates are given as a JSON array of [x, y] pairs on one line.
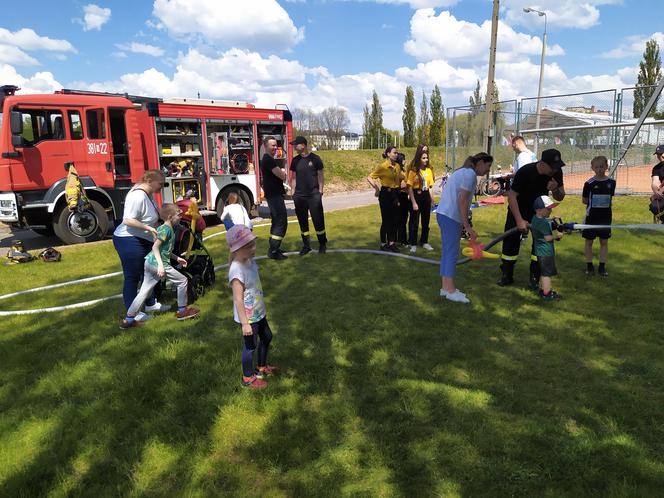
[[530, 182], [307, 186], [273, 178]]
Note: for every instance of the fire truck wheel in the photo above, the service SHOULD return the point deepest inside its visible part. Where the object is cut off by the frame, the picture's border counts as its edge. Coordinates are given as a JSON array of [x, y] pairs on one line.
[[75, 228]]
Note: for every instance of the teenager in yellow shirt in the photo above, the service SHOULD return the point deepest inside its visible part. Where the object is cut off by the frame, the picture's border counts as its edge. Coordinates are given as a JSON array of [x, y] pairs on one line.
[[386, 180], [420, 180]]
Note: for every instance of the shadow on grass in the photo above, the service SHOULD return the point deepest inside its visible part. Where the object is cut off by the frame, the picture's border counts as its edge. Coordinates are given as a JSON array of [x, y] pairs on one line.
[[385, 390]]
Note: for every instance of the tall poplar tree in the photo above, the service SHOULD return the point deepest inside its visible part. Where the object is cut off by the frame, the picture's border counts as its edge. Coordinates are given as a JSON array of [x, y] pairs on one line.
[[423, 122], [650, 72], [437, 128], [409, 118], [366, 128], [376, 117]]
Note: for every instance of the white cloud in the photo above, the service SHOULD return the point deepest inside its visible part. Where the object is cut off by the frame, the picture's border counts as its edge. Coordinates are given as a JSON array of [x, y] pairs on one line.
[[41, 82], [563, 13], [28, 40], [633, 46], [418, 4], [257, 24], [141, 48], [443, 36], [14, 55], [94, 17]]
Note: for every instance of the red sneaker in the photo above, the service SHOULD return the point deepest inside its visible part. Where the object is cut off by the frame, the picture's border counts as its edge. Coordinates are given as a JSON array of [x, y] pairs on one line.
[[187, 313], [266, 371], [126, 325], [253, 382]]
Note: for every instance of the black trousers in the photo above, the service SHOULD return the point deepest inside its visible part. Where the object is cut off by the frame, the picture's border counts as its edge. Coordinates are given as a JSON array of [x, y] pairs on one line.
[[423, 201], [512, 244], [388, 200], [402, 224], [279, 217], [311, 204]]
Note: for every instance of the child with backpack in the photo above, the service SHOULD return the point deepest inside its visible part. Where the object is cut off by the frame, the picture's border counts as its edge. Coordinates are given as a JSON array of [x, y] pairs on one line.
[[157, 265], [249, 306]]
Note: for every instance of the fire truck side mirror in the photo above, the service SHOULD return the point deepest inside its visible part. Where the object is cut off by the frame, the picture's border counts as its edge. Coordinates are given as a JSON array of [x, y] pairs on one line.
[[16, 124]]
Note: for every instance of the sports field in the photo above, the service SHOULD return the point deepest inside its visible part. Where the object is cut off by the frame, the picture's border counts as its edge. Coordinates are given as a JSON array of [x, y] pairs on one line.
[[384, 390]]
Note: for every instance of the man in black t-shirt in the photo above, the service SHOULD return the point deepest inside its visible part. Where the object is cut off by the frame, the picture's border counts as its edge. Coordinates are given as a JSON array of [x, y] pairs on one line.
[[273, 178], [307, 186], [530, 182]]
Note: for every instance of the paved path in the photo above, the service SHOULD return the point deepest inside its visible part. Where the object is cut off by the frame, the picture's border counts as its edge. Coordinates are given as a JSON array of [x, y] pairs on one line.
[[331, 202]]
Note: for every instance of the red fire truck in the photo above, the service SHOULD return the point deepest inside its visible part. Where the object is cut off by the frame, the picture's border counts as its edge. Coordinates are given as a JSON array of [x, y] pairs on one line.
[[206, 148]]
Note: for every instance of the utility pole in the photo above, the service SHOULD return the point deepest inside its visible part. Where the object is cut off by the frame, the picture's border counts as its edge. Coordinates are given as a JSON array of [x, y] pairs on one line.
[[489, 104]]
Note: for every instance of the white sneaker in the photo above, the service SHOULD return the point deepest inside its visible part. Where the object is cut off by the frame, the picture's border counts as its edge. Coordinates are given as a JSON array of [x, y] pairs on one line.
[[443, 293], [413, 249], [427, 247], [142, 317], [458, 297], [157, 307]]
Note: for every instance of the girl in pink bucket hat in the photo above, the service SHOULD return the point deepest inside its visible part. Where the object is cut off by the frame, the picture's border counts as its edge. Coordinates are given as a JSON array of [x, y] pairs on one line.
[[249, 306]]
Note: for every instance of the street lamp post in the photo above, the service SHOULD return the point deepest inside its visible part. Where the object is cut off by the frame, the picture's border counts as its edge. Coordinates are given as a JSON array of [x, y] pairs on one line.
[[541, 75]]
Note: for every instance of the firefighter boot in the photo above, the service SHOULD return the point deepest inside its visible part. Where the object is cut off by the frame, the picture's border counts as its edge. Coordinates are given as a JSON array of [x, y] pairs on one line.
[[306, 245], [322, 243], [273, 252], [507, 273], [533, 281]]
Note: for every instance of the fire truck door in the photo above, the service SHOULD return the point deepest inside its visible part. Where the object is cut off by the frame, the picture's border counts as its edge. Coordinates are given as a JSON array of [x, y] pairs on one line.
[[119, 142], [45, 149], [92, 155]]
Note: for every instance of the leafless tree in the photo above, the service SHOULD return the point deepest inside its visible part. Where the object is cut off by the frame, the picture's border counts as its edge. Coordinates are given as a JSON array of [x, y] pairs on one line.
[[335, 121]]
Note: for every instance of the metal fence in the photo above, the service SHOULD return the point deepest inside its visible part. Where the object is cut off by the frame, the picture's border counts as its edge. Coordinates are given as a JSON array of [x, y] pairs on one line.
[[581, 126]]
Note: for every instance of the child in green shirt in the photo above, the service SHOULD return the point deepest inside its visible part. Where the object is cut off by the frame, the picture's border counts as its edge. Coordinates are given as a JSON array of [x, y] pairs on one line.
[[157, 265], [543, 238]]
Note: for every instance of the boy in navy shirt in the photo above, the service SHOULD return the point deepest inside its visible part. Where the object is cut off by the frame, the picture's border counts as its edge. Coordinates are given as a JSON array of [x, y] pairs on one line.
[[597, 195]]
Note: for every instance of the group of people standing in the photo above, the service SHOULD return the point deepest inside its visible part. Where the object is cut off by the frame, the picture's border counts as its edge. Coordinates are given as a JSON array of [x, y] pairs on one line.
[[405, 198]]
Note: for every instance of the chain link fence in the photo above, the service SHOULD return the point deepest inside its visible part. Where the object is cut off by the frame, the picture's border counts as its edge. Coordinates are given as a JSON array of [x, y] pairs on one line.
[[580, 125]]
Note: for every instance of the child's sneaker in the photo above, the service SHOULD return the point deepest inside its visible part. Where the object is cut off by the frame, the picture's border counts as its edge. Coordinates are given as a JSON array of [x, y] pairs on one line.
[[457, 296], [551, 296], [266, 371], [142, 317], [187, 313], [253, 382], [413, 249], [602, 272], [428, 247], [157, 307], [126, 324]]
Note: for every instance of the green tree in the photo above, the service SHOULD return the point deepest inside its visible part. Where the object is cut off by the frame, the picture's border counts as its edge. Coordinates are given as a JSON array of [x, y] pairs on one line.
[[476, 98], [376, 117], [650, 72], [409, 118], [437, 127], [423, 122], [366, 128]]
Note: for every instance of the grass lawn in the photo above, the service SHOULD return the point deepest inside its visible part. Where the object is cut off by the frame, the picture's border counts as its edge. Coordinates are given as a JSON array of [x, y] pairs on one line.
[[385, 390]]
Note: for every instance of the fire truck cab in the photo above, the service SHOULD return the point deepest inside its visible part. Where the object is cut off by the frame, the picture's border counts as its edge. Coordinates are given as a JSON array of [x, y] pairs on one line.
[[206, 148]]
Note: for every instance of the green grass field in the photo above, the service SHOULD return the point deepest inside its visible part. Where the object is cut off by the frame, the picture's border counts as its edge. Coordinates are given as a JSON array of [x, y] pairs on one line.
[[385, 390]]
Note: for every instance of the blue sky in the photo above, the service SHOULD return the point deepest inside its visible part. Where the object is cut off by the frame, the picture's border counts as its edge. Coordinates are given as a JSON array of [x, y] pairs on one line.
[[318, 53]]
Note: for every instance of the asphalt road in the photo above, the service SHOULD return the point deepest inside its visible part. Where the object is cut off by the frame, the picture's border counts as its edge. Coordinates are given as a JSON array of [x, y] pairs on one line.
[[331, 202]]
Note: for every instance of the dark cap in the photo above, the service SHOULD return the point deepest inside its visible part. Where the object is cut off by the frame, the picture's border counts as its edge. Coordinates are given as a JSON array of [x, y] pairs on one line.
[[544, 201], [659, 149], [299, 140], [552, 158]]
